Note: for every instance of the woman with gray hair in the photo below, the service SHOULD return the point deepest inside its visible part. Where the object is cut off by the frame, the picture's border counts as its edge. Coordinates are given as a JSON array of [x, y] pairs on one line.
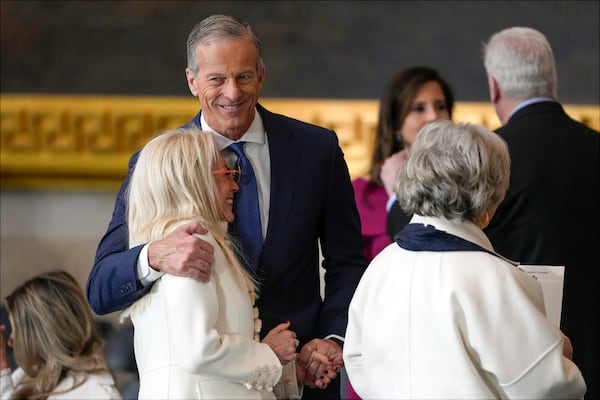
[[439, 314]]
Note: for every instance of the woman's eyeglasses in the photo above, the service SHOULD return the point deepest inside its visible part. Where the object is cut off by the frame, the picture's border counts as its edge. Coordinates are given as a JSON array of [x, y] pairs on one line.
[[234, 174]]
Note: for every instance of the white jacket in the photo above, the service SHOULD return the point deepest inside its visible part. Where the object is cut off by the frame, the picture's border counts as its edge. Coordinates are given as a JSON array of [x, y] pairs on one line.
[[96, 387], [194, 340], [453, 325]]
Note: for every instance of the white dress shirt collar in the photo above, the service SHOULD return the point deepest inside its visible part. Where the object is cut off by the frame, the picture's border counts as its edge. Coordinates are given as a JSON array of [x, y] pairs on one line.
[[528, 102], [254, 134]]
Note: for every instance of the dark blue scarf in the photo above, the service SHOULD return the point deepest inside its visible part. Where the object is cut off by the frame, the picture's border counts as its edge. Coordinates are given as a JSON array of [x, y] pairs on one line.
[[418, 237]]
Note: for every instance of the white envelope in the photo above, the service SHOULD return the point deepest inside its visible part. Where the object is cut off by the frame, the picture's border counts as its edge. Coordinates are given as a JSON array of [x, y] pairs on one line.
[[551, 278]]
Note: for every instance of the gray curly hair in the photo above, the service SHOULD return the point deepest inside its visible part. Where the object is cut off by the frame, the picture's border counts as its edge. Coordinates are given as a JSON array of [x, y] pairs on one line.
[[453, 171]]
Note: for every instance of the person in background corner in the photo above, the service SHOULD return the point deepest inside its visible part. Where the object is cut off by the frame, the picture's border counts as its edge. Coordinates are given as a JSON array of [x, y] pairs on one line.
[[413, 98], [551, 213], [466, 323], [55, 343]]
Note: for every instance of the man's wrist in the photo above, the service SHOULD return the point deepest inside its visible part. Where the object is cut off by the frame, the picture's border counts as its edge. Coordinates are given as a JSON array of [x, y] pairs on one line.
[[337, 340], [146, 274]]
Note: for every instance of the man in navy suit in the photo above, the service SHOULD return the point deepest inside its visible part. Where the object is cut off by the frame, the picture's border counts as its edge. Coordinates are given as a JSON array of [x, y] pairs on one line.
[[550, 215], [305, 199]]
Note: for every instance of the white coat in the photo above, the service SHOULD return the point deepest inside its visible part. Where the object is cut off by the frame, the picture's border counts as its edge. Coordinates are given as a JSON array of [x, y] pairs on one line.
[[195, 340], [453, 325], [99, 386]]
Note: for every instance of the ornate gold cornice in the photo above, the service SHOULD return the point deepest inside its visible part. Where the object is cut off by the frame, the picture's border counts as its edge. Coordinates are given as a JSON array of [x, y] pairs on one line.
[[60, 141]]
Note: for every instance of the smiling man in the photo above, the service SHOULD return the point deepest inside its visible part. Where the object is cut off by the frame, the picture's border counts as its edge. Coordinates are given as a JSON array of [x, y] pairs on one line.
[[300, 192]]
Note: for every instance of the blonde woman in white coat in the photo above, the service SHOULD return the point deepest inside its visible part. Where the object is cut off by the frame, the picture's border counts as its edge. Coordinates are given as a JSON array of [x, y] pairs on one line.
[[193, 339], [440, 315]]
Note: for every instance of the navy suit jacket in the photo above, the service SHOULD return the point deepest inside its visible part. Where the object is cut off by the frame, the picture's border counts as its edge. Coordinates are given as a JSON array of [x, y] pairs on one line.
[[312, 201], [396, 220], [551, 216]]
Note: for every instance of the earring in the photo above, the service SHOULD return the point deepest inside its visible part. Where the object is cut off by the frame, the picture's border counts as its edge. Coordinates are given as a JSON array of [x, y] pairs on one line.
[[482, 224], [398, 145], [487, 220]]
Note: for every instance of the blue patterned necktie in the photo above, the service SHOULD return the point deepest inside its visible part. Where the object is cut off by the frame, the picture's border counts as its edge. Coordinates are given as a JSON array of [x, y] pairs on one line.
[[246, 227]]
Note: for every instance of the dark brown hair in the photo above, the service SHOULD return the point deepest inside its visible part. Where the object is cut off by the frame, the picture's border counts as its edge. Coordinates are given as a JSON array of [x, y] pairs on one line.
[[394, 105]]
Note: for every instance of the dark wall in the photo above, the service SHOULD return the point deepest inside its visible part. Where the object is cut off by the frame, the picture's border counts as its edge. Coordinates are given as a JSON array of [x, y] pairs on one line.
[[314, 49]]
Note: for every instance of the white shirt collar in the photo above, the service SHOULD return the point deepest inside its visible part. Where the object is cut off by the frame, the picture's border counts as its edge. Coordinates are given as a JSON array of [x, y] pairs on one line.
[[254, 134], [528, 102]]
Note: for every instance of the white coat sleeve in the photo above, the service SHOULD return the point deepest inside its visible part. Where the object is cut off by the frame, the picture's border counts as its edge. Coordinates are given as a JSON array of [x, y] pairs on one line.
[[517, 343], [352, 352], [192, 310], [7, 387]]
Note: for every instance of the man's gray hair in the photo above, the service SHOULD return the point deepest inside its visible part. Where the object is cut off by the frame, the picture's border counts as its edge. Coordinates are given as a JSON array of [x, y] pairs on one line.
[[522, 62], [453, 171], [218, 27]]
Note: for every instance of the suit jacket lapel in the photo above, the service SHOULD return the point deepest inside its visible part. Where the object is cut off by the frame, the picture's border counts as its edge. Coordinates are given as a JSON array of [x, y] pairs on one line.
[[283, 151]]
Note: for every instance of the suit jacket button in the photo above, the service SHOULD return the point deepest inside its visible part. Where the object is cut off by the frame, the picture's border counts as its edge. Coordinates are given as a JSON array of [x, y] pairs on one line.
[[126, 287]]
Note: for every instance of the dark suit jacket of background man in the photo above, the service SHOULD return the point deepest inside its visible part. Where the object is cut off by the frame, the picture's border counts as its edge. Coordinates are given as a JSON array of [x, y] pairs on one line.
[[550, 216], [311, 197], [396, 220]]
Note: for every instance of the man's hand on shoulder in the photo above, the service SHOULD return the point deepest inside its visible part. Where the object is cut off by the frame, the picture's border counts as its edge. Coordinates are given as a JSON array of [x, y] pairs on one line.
[[181, 253]]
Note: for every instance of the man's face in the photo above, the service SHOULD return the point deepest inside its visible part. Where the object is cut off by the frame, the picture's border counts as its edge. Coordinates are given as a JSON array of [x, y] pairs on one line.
[[227, 84]]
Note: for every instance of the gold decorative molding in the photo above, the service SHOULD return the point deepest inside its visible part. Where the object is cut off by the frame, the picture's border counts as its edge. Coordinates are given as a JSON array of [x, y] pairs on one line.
[[56, 141]]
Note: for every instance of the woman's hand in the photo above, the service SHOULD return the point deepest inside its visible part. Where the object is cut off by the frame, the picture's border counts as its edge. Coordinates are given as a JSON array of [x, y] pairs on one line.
[[283, 342], [389, 170], [319, 362], [567, 347]]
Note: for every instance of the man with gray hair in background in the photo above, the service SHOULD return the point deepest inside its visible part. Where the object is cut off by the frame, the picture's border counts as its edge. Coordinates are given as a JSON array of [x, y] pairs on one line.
[[550, 215]]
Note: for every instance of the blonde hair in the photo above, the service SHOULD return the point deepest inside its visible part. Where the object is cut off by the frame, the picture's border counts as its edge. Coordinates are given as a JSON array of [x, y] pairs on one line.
[[172, 183], [54, 333]]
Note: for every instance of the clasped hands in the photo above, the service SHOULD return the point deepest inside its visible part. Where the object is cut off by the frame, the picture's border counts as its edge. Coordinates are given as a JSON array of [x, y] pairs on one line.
[[318, 362], [182, 253]]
